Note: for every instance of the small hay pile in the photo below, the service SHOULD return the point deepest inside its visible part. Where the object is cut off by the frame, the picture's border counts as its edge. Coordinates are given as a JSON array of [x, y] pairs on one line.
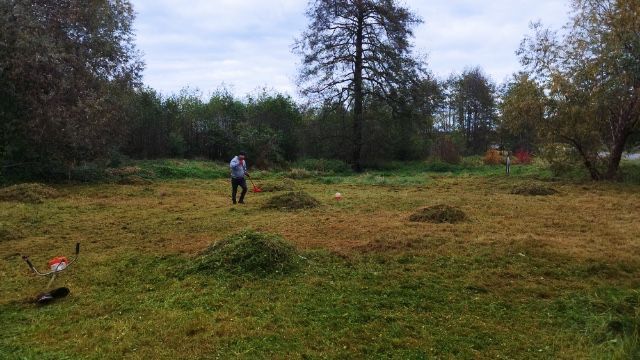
[[292, 201], [533, 189], [248, 253], [130, 175], [29, 193], [439, 214], [124, 171], [134, 180]]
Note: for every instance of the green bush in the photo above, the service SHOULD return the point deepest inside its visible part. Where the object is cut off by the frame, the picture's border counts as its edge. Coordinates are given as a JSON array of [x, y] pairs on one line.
[[630, 171], [325, 166], [87, 172], [296, 173], [441, 166], [248, 253], [185, 169]]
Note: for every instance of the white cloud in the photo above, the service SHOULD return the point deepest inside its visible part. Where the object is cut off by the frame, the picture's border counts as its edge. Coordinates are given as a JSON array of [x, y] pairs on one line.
[[204, 44], [247, 44], [464, 33]]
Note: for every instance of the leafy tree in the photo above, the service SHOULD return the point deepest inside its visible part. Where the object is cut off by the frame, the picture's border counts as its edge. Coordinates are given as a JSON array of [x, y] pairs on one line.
[[224, 114], [148, 134], [353, 49], [474, 108], [324, 132], [591, 76], [521, 112], [413, 108], [65, 67], [280, 114]]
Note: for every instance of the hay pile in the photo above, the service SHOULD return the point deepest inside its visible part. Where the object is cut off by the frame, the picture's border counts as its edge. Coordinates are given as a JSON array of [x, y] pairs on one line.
[[124, 171], [134, 180], [292, 201], [29, 193], [533, 189], [439, 214], [285, 185], [130, 175], [248, 253]]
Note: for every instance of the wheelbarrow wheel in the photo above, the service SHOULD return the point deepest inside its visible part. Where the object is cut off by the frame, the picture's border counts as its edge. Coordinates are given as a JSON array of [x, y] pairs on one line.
[[47, 297]]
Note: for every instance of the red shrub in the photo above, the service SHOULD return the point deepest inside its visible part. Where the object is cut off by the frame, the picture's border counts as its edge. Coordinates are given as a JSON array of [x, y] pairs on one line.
[[523, 156]]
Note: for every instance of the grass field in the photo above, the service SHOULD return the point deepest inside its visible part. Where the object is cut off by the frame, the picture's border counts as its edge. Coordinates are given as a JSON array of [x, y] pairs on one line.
[[549, 277]]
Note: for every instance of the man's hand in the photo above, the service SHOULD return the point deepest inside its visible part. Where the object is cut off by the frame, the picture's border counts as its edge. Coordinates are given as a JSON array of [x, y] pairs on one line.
[[247, 174]]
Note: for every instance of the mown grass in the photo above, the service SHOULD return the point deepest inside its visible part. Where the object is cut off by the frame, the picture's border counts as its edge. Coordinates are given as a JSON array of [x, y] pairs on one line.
[[552, 277]]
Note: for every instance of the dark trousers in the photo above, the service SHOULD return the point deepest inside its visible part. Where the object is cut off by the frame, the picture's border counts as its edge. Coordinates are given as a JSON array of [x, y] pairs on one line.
[[235, 182]]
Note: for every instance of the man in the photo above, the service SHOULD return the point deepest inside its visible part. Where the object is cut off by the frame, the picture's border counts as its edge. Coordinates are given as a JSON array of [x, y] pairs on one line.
[[238, 172]]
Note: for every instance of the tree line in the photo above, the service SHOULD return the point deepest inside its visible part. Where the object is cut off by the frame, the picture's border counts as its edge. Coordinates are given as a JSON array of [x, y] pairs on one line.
[[71, 93]]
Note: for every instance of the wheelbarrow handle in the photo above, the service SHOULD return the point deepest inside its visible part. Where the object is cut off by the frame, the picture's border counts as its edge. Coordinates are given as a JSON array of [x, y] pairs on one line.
[[26, 258]]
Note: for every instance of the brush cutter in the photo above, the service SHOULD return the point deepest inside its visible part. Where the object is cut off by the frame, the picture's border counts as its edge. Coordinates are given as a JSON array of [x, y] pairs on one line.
[[56, 265]]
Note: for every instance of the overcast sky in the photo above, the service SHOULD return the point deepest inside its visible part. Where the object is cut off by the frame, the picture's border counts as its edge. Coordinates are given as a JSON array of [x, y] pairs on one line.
[[245, 45]]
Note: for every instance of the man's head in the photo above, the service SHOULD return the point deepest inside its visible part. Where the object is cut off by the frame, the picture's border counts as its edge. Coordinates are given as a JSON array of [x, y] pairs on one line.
[[242, 155]]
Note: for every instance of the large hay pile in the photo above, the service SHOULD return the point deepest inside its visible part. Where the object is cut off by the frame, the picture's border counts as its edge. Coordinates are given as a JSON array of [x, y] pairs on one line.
[[292, 201], [248, 253], [29, 193], [439, 214], [533, 189]]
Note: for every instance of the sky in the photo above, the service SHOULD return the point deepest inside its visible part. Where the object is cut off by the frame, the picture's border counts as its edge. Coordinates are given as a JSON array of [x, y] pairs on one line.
[[245, 45]]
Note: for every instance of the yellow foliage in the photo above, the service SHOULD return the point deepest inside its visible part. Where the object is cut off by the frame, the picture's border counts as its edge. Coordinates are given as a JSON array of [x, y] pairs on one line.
[[492, 157]]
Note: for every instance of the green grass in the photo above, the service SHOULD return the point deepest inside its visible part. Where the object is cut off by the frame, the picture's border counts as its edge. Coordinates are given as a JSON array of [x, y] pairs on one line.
[[403, 306], [184, 169], [552, 277]]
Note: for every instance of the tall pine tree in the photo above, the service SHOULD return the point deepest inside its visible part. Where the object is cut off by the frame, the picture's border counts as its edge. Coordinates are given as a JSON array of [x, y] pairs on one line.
[[353, 49]]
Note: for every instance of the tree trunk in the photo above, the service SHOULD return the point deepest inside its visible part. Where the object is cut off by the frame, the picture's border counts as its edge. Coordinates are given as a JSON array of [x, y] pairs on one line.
[[591, 167], [358, 113], [616, 155], [593, 172]]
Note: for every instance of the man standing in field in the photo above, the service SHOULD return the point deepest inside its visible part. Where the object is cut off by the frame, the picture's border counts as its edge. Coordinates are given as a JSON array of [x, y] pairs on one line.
[[238, 172]]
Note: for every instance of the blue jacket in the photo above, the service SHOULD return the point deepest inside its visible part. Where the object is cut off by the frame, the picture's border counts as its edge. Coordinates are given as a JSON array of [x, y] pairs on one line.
[[238, 168]]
